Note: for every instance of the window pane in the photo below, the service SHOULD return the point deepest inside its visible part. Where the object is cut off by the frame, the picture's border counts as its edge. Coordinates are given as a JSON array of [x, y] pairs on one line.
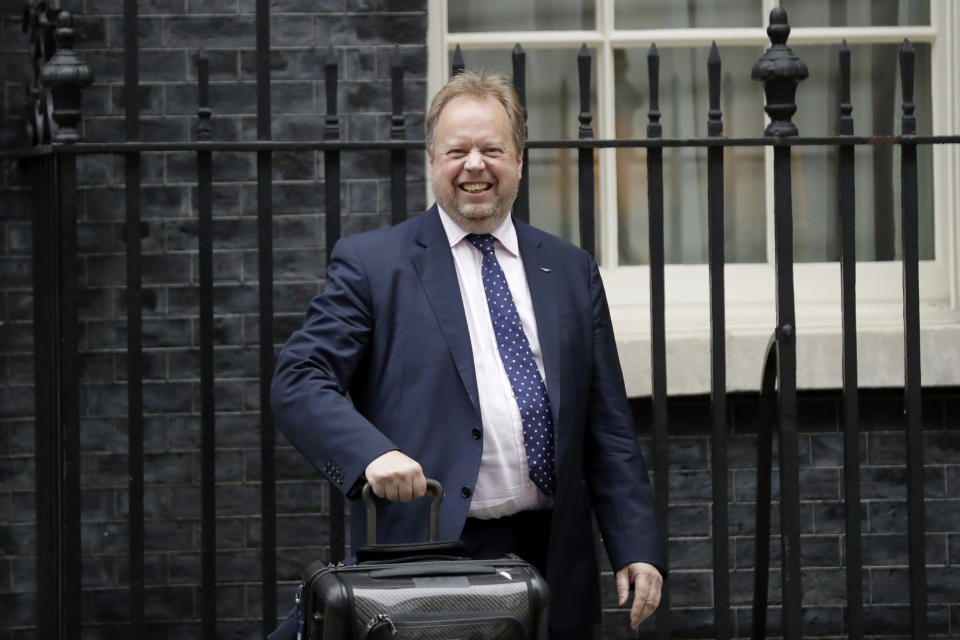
[[671, 14], [856, 13], [684, 104], [875, 93], [528, 15], [553, 105]]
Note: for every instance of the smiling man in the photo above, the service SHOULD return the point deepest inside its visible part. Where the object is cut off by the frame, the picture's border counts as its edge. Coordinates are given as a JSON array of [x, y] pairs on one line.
[[475, 164], [478, 350]]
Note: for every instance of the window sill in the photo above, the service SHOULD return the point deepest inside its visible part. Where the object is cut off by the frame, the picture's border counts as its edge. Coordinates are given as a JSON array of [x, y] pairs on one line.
[[819, 346]]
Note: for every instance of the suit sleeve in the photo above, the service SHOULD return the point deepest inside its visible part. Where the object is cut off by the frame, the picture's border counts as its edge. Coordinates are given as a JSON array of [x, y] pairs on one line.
[[315, 369], [616, 474]]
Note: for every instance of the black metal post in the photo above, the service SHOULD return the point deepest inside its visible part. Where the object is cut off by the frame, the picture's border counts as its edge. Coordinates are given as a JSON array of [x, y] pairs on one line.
[[658, 341], [587, 234], [521, 206], [58, 456], [766, 423], [58, 440], [718, 358], [69, 435], [911, 352], [208, 488], [268, 521], [47, 349], [398, 157], [332, 192], [781, 71], [134, 233], [848, 284]]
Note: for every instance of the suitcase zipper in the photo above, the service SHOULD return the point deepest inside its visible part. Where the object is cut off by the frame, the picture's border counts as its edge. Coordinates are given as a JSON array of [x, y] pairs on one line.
[[399, 622]]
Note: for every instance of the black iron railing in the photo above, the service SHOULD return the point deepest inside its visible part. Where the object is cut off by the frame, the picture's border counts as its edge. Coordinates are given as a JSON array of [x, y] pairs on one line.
[[53, 177]]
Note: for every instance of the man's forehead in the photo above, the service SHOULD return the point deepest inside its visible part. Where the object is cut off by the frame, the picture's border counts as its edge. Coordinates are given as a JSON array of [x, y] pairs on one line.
[[488, 104], [469, 133]]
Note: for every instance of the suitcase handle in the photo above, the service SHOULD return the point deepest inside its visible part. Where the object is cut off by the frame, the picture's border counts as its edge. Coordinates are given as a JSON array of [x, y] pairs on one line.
[[426, 569], [433, 486]]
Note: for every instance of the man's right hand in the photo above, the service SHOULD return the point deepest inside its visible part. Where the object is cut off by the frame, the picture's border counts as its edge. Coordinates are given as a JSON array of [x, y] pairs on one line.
[[396, 477]]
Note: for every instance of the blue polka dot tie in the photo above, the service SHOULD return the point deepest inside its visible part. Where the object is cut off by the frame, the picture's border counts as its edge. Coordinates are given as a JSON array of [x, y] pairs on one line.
[[528, 387]]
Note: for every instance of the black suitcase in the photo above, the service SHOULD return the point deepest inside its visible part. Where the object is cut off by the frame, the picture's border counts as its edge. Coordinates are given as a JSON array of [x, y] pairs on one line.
[[426, 591]]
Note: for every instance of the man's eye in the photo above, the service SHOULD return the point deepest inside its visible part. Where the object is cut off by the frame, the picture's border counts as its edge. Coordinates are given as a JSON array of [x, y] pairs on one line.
[[455, 153], [494, 151]]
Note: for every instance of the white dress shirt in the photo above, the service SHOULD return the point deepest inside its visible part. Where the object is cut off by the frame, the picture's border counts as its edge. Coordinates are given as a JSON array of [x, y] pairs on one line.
[[503, 485]]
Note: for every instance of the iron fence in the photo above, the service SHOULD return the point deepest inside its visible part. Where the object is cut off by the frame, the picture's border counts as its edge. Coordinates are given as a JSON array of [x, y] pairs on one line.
[[52, 163]]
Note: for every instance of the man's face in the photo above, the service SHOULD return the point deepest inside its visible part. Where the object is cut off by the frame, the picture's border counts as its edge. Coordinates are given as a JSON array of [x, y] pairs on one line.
[[475, 167]]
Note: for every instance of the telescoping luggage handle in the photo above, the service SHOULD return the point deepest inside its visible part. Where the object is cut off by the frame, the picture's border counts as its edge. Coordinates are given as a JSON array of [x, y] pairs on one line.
[[433, 486]]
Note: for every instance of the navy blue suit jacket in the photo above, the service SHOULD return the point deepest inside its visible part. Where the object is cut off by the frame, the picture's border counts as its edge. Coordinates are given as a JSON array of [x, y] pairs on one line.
[[389, 330]]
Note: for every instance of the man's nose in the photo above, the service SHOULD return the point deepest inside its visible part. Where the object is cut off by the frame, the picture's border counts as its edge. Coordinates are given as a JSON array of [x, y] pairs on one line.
[[474, 161]]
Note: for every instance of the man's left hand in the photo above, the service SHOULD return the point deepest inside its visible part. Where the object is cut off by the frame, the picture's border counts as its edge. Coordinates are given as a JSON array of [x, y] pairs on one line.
[[647, 583]]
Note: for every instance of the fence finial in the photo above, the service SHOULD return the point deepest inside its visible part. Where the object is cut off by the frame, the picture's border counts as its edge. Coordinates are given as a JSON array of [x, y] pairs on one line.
[[909, 120], [331, 129], [586, 118], [397, 118], [204, 112], [65, 75], [654, 129], [780, 70], [714, 115], [519, 59], [457, 66], [846, 106]]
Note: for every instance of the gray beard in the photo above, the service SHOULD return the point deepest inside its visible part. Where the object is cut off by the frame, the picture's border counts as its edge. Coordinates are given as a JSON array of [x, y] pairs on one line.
[[496, 214]]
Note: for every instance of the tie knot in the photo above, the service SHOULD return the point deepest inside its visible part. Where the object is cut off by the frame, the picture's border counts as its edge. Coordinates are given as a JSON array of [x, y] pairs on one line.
[[482, 241]]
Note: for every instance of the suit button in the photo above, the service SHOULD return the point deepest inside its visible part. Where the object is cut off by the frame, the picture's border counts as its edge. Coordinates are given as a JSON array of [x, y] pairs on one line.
[[465, 492], [476, 434]]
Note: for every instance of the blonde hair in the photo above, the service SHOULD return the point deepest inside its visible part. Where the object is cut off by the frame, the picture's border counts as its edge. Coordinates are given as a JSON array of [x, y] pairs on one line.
[[478, 85]]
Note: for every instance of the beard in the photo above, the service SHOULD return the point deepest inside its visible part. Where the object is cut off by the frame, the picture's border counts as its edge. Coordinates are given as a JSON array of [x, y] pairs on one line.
[[482, 220]]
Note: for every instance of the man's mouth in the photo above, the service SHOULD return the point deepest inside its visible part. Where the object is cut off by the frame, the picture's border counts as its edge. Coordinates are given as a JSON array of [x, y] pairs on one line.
[[475, 187]]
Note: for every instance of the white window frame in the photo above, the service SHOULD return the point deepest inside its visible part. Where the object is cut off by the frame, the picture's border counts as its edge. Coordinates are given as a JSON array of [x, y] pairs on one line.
[[750, 294]]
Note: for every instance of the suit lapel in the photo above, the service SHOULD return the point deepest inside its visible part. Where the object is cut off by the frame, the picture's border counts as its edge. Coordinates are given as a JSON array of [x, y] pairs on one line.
[[542, 280], [438, 276]]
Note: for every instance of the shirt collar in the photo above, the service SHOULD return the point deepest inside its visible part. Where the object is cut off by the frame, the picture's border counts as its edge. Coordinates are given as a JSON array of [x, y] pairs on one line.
[[506, 233]]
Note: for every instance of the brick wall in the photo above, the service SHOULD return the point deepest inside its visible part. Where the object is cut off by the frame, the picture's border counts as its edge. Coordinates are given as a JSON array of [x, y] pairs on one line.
[[17, 535], [362, 33], [883, 521]]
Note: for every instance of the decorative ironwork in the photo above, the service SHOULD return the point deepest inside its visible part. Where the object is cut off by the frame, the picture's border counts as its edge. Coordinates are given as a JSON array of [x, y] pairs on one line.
[[65, 76], [38, 23], [780, 70], [59, 76]]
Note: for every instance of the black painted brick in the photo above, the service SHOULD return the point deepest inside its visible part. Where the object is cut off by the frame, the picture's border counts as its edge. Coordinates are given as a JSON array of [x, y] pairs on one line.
[[412, 59], [23, 574], [212, 6], [231, 533], [379, 29], [98, 505], [169, 603], [886, 620], [214, 32], [19, 608], [23, 507], [292, 64]]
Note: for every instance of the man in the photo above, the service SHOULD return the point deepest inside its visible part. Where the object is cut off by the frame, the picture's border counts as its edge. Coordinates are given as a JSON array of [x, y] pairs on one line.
[[478, 350]]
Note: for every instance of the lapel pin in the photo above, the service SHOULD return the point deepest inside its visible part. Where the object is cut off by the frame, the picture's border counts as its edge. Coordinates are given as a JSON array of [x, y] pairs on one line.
[[545, 269]]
